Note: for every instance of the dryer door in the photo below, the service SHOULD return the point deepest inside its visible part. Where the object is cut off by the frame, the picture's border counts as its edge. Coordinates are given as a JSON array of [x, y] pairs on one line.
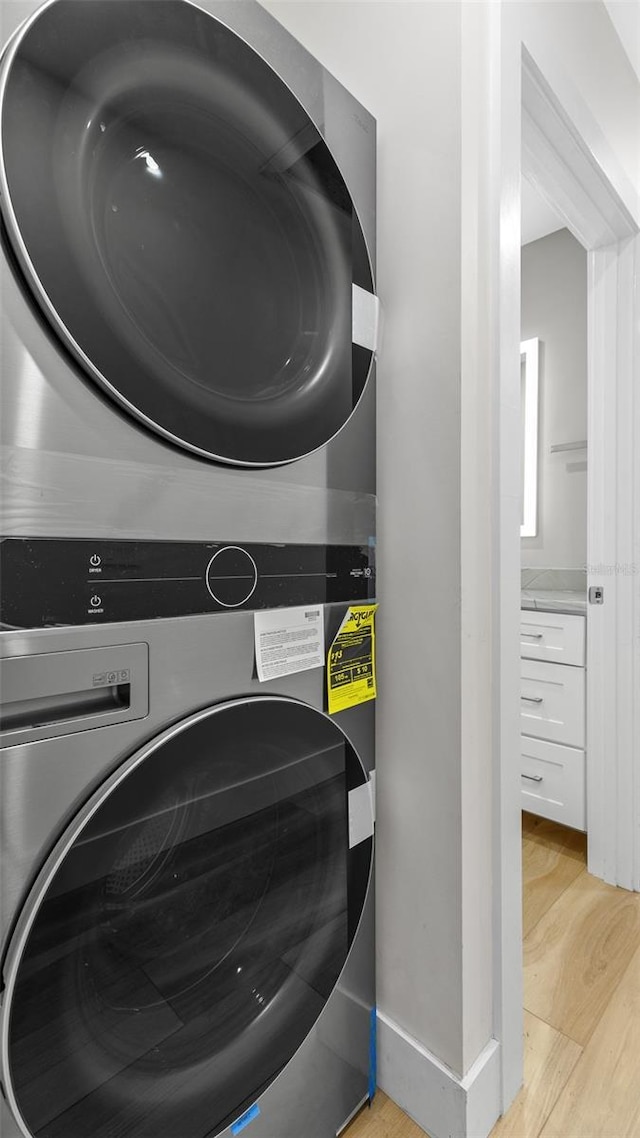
[[188, 929], [184, 227]]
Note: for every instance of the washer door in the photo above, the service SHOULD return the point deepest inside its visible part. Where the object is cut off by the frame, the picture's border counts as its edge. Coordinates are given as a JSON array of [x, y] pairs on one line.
[[188, 929], [184, 227]]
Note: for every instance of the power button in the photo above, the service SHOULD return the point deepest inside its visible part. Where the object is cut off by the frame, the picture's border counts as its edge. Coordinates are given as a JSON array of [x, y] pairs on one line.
[[95, 560]]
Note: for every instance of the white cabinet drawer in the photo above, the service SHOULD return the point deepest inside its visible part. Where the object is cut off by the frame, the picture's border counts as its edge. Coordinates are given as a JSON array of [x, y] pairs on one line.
[[552, 636], [554, 782], [552, 702]]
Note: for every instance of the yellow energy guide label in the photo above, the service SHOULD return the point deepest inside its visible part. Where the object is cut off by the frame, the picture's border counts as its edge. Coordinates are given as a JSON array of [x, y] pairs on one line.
[[351, 663]]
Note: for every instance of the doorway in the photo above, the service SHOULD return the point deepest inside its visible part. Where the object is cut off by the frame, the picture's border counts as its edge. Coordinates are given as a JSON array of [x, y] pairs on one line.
[[553, 533], [541, 141]]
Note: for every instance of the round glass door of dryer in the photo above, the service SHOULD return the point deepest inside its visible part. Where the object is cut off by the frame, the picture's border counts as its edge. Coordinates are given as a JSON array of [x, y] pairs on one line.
[[183, 226], [189, 928]]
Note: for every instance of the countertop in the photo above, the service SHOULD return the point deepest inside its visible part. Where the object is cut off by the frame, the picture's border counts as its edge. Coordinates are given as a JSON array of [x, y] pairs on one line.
[[573, 601]]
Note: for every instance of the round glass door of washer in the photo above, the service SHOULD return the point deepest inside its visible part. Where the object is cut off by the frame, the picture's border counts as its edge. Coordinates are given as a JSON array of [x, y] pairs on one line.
[[188, 929], [183, 226]]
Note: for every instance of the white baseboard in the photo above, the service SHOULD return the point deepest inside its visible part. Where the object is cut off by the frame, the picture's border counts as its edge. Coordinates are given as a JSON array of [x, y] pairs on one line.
[[442, 1103]]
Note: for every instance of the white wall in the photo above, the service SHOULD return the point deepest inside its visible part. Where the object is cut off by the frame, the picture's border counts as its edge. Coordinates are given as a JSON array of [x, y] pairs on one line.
[[625, 17], [579, 40], [437, 961], [402, 60], [554, 308]]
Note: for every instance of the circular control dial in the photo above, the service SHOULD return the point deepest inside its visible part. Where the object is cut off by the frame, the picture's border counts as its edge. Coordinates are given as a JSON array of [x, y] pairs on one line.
[[231, 576]]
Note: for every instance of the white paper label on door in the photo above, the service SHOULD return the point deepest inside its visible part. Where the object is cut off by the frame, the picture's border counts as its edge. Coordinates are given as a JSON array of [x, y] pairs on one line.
[[361, 816], [288, 641]]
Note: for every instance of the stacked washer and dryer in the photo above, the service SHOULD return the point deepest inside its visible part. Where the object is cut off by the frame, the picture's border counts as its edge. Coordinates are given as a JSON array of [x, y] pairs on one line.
[[188, 424]]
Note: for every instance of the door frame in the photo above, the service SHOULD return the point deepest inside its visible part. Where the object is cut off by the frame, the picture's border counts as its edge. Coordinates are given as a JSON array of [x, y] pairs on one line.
[[557, 162], [543, 130]]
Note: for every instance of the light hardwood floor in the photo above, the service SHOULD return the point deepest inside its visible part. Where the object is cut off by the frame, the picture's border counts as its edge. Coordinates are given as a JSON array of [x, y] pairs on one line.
[[582, 1003], [383, 1119]]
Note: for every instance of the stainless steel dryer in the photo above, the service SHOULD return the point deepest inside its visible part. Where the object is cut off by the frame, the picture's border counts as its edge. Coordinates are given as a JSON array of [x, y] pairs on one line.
[[188, 211], [187, 907]]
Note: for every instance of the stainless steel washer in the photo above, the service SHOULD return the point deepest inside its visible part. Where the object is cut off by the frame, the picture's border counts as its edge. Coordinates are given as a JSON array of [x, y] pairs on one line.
[[187, 906]]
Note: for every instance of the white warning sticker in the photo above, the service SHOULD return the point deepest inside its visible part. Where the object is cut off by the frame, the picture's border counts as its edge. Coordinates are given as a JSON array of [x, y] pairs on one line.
[[288, 641]]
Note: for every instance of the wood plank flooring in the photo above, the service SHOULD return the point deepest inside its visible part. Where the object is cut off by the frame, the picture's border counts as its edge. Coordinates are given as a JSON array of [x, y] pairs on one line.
[[383, 1119], [551, 860], [582, 1003], [549, 1059]]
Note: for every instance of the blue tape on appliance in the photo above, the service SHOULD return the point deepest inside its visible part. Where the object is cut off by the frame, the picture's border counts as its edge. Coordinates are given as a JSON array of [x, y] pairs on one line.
[[245, 1118], [373, 1054]]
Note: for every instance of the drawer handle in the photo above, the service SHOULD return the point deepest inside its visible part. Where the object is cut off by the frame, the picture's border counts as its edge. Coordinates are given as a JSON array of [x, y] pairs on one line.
[[533, 635], [533, 698], [533, 777]]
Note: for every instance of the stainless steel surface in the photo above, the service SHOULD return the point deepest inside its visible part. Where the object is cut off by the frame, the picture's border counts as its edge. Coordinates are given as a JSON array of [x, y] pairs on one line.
[[351, 1117], [48, 692], [194, 663], [73, 464]]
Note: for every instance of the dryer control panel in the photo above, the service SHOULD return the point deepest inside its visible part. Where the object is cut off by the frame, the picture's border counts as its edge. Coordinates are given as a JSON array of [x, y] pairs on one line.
[[57, 581]]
